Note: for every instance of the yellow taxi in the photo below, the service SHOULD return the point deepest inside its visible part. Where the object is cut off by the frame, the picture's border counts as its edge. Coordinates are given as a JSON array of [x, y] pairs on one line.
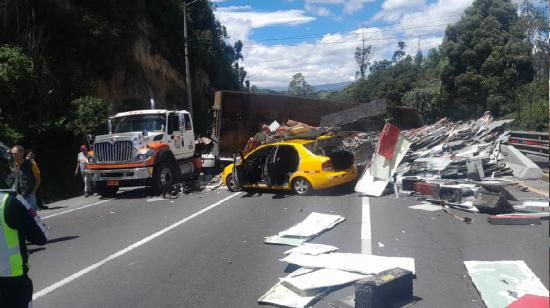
[[300, 165]]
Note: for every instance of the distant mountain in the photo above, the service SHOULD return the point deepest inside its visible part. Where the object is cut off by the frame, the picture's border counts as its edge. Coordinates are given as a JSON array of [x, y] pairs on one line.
[[323, 87]]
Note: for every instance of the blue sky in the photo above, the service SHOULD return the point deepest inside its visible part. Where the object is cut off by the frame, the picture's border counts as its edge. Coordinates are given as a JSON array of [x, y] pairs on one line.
[[318, 37]]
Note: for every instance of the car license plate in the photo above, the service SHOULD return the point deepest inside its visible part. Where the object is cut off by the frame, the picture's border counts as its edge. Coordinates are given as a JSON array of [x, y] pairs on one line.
[[112, 183]]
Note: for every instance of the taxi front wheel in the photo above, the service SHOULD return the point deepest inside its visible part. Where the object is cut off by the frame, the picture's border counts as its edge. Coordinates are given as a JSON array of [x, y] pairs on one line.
[[232, 184], [301, 186]]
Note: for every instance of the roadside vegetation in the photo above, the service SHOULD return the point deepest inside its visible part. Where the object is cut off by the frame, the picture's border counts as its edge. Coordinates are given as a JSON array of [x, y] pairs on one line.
[[494, 58], [58, 59]]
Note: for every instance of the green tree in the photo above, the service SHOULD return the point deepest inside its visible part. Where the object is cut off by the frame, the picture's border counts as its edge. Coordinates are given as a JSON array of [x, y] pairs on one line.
[[487, 62], [18, 91], [425, 97], [400, 52], [298, 86], [362, 57], [90, 114]]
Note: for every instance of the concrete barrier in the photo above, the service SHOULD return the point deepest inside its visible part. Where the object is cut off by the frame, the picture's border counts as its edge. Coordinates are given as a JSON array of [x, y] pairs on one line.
[[522, 167]]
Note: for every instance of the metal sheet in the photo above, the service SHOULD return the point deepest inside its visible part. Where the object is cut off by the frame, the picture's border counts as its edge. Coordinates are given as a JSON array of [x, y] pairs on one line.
[[287, 296], [322, 278], [311, 249], [313, 225], [372, 186], [502, 282], [352, 262], [426, 206]]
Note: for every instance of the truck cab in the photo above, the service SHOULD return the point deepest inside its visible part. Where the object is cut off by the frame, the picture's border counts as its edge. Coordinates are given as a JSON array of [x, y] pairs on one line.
[[154, 148]]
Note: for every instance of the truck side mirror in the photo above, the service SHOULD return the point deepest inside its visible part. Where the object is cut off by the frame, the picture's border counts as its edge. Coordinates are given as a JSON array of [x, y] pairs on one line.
[[90, 138]]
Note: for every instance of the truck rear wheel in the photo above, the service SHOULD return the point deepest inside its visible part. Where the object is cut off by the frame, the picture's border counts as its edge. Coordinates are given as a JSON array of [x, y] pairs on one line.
[[164, 176], [105, 191]]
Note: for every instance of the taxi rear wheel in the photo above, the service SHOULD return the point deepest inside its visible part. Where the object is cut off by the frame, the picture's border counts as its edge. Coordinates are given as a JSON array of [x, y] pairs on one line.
[[301, 186]]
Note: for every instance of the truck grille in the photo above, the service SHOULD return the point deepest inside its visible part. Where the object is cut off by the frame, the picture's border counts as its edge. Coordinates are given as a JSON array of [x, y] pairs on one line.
[[120, 151]]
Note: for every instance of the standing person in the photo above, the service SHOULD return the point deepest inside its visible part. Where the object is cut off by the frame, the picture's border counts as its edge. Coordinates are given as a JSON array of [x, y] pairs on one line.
[[82, 165], [26, 181], [19, 224], [36, 173]]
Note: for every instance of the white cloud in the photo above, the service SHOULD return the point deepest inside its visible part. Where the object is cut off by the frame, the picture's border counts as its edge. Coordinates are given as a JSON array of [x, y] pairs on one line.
[[319, 7], [391, 5], [241, 20], [330, 58]]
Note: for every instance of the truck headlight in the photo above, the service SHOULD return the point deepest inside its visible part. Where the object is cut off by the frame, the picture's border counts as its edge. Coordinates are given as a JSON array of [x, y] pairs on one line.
[[144, 154]]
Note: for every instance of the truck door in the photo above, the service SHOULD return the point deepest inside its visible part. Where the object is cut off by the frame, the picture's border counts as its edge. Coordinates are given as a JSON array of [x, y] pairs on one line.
[[175, 135], [188, 134]]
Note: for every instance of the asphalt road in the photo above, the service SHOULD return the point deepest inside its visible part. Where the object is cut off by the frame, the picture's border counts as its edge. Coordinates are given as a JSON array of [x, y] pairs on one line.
[[206, 249]]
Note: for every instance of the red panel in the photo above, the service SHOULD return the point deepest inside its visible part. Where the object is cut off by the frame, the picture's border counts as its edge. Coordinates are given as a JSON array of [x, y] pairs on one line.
[[530, 301], [388, 140]]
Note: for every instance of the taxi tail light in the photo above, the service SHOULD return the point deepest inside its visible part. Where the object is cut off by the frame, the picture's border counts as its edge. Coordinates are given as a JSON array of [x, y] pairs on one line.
[[328, 166]]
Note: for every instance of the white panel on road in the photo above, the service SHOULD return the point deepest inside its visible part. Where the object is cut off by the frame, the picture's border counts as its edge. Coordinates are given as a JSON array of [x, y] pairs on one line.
[[353, 262], [313, 225], [311, 249], [426, 206], [322, 278], [287, 296], [502, 282]]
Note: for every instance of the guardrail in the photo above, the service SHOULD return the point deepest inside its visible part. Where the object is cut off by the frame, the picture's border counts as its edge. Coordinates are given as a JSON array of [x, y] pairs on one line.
[[527, 142]]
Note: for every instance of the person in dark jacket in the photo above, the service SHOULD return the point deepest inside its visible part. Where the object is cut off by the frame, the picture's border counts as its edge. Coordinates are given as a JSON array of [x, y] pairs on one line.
[[19, 224], [26, 182]]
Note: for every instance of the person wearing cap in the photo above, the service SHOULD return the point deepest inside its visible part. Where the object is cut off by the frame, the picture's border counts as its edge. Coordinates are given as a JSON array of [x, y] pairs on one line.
[[18, 224], [82, 165]]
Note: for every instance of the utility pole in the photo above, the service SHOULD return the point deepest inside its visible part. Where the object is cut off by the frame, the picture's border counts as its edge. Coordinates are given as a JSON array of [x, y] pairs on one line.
[[187, 70]]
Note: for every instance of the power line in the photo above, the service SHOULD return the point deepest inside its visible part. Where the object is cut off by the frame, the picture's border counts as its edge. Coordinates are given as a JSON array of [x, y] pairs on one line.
[[394, 38], [317, 35]]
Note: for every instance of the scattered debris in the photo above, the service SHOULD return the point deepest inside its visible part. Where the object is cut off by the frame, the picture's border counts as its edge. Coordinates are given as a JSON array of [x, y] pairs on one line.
[[153, 199], [510, 219], [467, 220], [493, 203], [353, 262], [385, 289], [426, 206], [282, 294], [322, 278], [313, 225], [381, 166], [500, 283], [531, 301], [311, 249]]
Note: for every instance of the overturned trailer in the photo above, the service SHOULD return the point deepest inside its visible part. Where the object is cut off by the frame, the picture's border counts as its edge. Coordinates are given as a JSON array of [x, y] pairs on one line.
[[240, 115]]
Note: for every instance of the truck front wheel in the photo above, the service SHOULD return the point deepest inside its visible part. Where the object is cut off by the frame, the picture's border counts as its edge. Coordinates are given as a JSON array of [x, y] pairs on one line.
[[105, 191], [164, 176]]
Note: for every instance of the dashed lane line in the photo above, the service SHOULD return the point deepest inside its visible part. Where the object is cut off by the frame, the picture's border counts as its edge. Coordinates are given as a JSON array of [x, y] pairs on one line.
[[366, 232]]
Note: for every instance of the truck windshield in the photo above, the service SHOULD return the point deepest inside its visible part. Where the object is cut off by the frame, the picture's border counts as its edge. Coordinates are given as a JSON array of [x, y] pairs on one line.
[[139, 123]]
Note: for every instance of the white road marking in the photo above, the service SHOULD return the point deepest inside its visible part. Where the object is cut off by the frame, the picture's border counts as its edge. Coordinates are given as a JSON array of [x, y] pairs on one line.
[[366, 233], [125, 250], [75, 209]]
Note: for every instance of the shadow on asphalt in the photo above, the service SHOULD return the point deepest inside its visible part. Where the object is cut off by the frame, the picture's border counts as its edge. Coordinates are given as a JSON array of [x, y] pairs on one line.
[[62, 239], [54, 208], [37, 249], [278, 194]]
